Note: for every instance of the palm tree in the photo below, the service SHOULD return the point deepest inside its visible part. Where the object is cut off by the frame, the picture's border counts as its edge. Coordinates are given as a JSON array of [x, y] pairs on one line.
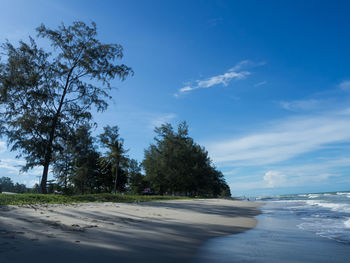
[[115, 150]]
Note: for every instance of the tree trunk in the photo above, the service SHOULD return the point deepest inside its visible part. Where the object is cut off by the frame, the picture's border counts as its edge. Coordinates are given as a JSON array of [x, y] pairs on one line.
[[47, 161], [43, 189], [116, 177], [52, 135]]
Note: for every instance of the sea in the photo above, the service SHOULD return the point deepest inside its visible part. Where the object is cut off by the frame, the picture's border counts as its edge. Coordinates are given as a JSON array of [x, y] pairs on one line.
[[311, 227]]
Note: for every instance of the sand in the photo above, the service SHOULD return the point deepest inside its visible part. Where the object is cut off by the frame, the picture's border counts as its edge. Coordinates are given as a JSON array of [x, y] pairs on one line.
[[167, 231]]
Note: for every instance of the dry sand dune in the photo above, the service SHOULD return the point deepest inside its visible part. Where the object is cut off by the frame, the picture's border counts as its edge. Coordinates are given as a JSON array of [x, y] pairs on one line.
[[168, 231]]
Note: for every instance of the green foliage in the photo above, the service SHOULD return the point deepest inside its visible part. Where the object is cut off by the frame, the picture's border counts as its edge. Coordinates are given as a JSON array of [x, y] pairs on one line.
[[177, 165], [45, 94], [85, 169], [137, 181], [46, 100], [114, 158], [6, 185], [30, 199]]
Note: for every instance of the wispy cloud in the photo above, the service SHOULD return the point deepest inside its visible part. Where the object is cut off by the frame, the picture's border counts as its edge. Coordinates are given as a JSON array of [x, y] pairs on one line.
[[274, 179], [234, 73], [13, 166], [301, 105], [2, 147], [285, 179], [345, 85], [261, 83], [283, 140]]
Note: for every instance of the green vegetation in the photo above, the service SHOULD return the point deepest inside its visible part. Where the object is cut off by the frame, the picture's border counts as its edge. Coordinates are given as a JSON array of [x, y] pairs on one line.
[[6, 185], [48, 94], [46, 99], [26, 199], [176, 164]]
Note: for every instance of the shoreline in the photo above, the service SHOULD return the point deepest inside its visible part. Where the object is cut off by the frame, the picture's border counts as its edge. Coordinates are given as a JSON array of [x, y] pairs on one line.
[[165, 231], [276, 238]]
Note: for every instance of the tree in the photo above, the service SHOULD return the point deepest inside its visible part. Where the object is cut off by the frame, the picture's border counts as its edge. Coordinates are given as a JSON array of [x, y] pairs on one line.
[[78, 163], [63, 165], [137, 182], [43, 94], [115, 154], [7, 185], [176, 164]]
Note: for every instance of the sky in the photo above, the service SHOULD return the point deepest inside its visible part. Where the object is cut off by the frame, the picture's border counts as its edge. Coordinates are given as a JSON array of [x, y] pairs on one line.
[[263, 85]]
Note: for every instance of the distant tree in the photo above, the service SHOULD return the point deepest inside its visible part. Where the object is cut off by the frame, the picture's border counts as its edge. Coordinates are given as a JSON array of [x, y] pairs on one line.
[[43, 94], [6, 185], [78, 164], [137, 182], [177, 165], [63, 164], [114, 156]]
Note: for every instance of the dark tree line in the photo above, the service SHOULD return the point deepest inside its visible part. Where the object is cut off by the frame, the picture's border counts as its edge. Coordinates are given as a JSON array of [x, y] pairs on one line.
[[6, 185], [81, 168], [175, 164], [46, 103]]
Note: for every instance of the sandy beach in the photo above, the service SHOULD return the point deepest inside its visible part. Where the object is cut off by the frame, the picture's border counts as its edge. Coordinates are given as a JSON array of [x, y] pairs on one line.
[[167, 231]]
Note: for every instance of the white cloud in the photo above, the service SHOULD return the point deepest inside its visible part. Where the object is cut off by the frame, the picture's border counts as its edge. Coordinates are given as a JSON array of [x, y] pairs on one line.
[[260, 84], [187, 88], [282, 178], [275, 178], [297, 105], [2, 147], [235, 73], [345, 85], [283, 140], [13, 166]]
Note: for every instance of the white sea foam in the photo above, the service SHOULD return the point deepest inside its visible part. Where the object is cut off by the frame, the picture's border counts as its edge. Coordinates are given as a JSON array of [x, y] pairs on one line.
[[332, 206], [347, 194], [347, 223], [325, 214], [329, 228], [313, 195]]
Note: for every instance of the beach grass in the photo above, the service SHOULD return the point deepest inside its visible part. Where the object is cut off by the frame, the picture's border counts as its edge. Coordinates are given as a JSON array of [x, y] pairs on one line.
[[27, 199]]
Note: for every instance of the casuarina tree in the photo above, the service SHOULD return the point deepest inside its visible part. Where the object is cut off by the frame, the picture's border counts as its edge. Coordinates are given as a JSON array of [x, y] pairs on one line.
[[45, 94]]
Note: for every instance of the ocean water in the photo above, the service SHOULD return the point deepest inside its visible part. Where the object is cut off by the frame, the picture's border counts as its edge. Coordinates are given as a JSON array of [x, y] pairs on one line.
[[325, 214], [291, 228]]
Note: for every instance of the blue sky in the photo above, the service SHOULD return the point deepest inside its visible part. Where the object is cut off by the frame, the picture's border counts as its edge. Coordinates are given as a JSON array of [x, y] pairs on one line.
[[264, 85]]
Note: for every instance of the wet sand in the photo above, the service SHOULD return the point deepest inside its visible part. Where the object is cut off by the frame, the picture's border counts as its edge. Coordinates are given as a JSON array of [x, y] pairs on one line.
[[168, 231], [275, 239]]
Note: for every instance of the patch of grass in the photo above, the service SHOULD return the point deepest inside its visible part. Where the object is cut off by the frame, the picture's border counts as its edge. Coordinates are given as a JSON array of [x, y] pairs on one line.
[[27, 199]]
